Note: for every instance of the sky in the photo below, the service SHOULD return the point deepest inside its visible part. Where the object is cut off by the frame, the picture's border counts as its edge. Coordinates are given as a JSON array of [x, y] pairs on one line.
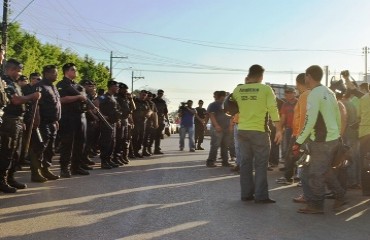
[[192, 48]]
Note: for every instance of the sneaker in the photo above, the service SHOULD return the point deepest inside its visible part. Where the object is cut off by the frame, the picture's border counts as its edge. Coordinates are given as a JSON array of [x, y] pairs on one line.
[[300, 199], [235, 169], [339, 202], [299, 184], [310, 210], [227, 164], [211, 165], [283, 180], [192, 150], [181, 149]]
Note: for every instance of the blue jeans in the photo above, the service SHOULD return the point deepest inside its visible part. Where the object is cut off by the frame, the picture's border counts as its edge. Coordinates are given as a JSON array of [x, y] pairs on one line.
[[236, 142], [321, 173], [190, 131], [254, 148], [219, 140]]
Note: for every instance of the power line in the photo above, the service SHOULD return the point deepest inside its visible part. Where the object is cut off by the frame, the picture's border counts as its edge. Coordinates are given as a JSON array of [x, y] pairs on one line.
[[22, 11]]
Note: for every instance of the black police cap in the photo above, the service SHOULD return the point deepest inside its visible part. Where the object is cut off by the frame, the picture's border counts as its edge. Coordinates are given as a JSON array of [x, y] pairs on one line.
[[112, 83], [86, 82], [23, 78], [122, 85], [14, 63], [160, 91], [144, 91]]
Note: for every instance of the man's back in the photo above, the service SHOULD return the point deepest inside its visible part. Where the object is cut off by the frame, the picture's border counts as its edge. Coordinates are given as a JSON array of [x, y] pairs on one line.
[[254, 101], [323, 116]]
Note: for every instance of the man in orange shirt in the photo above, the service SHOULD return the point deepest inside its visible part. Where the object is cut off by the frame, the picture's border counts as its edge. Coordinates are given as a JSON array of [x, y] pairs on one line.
[[297, 125]]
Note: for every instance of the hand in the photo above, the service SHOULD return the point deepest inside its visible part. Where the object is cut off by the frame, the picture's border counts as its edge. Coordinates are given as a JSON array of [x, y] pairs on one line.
[[82, 98], [278, 137], [36, 96], [218, 129], [296, 150]]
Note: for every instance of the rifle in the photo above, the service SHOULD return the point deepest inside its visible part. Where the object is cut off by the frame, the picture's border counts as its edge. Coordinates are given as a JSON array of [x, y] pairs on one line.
[[98, 113], [29, 129]]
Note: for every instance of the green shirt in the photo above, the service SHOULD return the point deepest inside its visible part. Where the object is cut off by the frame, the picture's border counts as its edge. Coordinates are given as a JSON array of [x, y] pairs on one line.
[[364, 128], [254, 101], [323, 120]]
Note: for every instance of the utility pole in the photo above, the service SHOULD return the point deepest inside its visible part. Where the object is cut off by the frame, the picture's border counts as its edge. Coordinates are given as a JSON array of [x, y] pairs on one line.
[[365, 51], [326, 70], [111, 64], [132, 80], [4, 29]]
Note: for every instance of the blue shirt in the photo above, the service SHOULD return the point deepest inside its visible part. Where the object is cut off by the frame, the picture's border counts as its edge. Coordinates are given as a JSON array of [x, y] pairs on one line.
[[187, 118], [222, 119]]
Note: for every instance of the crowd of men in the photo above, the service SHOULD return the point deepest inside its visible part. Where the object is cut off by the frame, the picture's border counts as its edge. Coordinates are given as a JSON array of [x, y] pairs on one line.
[[324, 136], [40, 117]]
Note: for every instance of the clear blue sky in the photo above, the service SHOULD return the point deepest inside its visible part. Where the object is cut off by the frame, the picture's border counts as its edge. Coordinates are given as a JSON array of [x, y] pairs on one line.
[[194, 47]]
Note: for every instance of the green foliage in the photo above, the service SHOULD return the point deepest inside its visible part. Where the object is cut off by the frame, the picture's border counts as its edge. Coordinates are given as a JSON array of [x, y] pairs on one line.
[[34, 55]]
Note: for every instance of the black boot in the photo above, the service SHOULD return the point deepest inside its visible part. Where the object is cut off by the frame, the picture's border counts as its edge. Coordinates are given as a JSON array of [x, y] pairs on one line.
[[125, 156], [112, 164], [64, 172], [105, 165], [45, 171], [199, 146], [117, 161], [146, 153], [13, 183], [149, 149], [4, 186], [35, 166]]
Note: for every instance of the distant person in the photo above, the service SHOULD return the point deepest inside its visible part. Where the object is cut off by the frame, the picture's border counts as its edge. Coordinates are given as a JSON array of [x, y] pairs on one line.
[[187, 114], [255, 100], [200, 125], [220, 130], [162, 117]]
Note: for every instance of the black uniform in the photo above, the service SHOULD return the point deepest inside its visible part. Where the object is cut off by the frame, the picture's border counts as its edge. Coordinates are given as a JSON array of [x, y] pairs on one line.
[[43, 138], [92, 132], [11, 134], [123, 140], [72, 128], [150, 129], [162, 112], [109, 108], [199, 126], [139, 117]]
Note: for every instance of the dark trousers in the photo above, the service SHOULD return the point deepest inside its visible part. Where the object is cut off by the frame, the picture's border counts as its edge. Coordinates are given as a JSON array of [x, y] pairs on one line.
[[275, 148], [199, 133], [11, 132], [138, 135], [290, 160], [158, 135], [72, 139], [42, 150], [149, 135], [107, 141], [92, 136]]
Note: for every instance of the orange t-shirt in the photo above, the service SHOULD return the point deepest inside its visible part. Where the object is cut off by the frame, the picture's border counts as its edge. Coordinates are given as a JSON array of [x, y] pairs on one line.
[[300, 113]]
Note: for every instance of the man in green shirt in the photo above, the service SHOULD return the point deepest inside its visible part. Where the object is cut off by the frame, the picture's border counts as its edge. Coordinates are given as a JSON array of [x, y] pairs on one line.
[[255, 100], [321, 131]]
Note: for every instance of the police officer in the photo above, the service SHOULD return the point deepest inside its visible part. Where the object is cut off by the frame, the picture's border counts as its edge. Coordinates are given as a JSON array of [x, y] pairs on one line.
[[127, 105], [151, 125], [140, 115], [92, 123], [72, 123], [28, 89], [110, 109], [161, 105], [199, 124], [12, 126], [47, 117]]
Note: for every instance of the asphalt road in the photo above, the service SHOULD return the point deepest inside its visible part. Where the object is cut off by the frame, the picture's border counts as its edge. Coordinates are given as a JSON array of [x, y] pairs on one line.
[[173, 196]]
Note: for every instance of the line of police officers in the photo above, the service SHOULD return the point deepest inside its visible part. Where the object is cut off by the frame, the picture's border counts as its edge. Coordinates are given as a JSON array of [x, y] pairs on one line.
[[73, 118]]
